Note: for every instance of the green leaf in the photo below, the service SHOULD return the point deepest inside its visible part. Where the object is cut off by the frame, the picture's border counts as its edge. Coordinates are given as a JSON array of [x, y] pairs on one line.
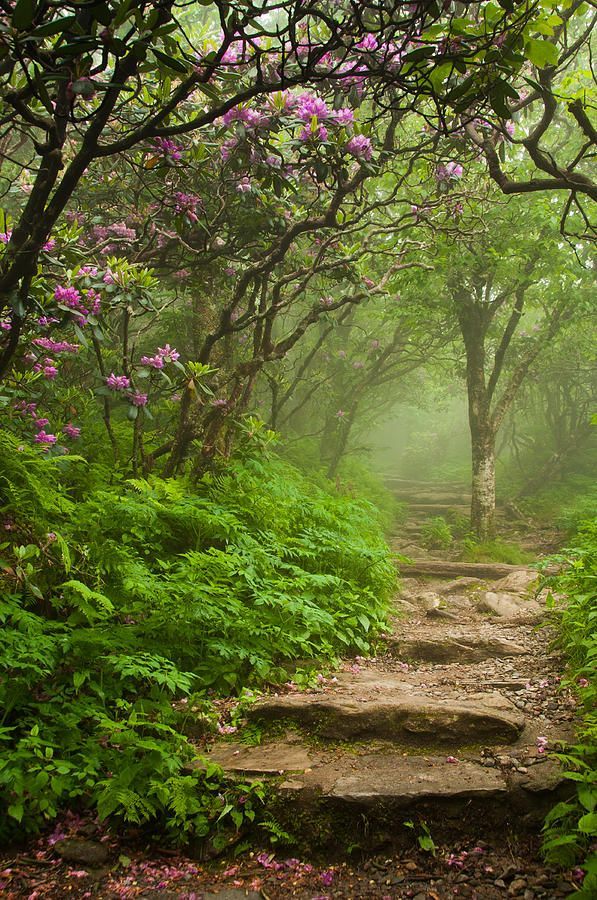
[[176, 65], [16, 810], [588, 824], [541, 53], [55, 27], [24, 11]]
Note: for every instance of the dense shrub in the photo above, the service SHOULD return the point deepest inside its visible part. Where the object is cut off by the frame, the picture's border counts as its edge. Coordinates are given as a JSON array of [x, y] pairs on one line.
[[571, 827], [118, 602]]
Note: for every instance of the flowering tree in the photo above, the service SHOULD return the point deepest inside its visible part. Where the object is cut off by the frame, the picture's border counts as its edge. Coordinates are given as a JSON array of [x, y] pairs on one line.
[[83, 84], [554, 90]]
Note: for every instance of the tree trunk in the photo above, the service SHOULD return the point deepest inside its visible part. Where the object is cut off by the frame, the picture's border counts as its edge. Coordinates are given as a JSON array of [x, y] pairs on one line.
[[483, 485]]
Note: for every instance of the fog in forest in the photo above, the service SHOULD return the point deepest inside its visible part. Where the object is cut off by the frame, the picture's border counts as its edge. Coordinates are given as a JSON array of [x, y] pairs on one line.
[[298, 444]]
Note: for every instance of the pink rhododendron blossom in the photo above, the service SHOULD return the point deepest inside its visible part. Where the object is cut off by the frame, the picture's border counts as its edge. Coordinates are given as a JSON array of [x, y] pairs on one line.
[[138, 399], [227, 148], [369, 42], [451, 171], [48, 368], [309, 106], [168, 149], [360, 147], [42, 438], [168, 353], [320, 133], [71, 431], [55, 346], [87, 271], [68, 295], [117, 382], [344, 116], [244, 185], [156, 362], [187, 205], [41, 423]]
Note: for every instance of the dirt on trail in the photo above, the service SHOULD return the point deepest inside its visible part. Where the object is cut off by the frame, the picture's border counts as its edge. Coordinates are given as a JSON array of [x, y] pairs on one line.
[[422, 773]]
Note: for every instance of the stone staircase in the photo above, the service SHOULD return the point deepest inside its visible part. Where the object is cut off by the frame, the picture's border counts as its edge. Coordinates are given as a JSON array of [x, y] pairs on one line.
[[446, 726], [426, 500]]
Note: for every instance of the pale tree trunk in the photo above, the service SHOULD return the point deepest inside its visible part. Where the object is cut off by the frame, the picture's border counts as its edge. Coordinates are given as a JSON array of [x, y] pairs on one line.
[[483, 486]]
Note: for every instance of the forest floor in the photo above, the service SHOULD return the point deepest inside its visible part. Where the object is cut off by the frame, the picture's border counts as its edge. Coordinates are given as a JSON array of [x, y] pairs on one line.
[[423, 773]]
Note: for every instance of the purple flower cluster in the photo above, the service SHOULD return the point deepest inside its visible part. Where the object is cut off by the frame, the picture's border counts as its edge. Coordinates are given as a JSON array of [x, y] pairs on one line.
[[48, 368], [118, 382], [310, 106], [451, 171], [168, 149], [187, 205], [165, 354], [51, 346], [360, 147], [118, 230], [70, 297]]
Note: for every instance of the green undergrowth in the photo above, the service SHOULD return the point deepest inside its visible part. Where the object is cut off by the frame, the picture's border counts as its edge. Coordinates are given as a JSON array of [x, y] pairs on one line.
[[496, 550], [571, 827], [123, 604]]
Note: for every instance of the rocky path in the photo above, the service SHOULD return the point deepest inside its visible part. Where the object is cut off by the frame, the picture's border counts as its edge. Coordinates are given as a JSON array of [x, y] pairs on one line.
[[449, 724], [421, 773]]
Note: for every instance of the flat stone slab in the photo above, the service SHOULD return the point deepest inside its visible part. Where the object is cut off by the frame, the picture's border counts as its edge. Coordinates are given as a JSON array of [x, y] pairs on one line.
[[400, 718], [270, 759], [400, 781], [508, 606], [520, 582], [446, 648], [448, 569]]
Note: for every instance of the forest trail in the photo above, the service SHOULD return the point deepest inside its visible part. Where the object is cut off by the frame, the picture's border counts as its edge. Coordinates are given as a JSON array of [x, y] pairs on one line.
[[447, 724], [444, 733], [421, 773]]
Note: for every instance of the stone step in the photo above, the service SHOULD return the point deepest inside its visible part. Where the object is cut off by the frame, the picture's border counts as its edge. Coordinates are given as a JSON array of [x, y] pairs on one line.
[[437, 509], [451, 648], [441, 568], [390, 710], [428, 485], [319, 792]]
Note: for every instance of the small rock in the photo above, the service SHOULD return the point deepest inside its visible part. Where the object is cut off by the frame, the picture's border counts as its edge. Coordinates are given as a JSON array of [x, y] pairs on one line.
[[529, 895], [509, 873], [516, 886], [499, 882], [79, 850]]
